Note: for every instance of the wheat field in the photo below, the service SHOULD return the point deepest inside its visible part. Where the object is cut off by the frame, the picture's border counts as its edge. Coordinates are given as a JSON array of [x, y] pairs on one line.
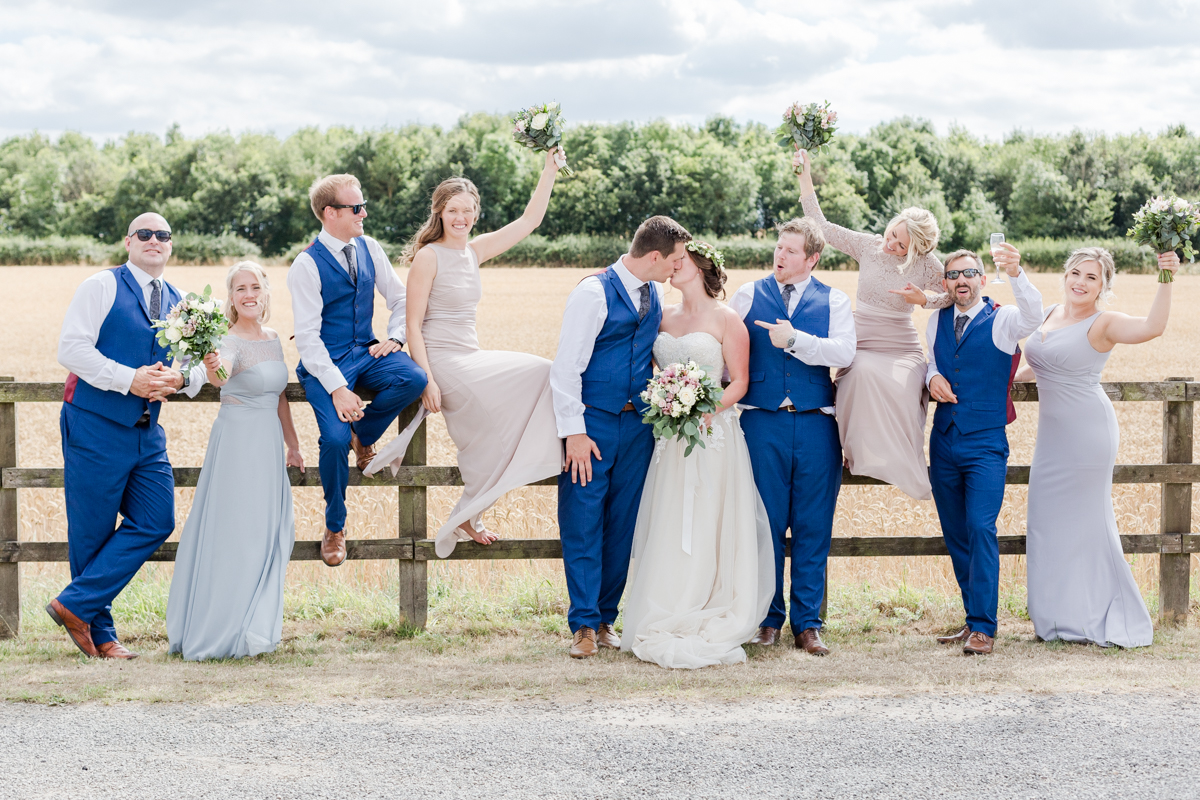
[[521, 310]]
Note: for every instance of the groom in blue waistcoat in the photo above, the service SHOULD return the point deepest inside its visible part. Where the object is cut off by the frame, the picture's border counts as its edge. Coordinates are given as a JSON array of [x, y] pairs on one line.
[[602, 365], [333, 285], [799, 329], [114, 450]]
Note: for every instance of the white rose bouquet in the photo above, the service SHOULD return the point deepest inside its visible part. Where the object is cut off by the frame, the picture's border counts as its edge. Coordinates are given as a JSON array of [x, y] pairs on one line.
[[540, 129], [679, 396], [194, 328], [1167, 224], [809, 127]]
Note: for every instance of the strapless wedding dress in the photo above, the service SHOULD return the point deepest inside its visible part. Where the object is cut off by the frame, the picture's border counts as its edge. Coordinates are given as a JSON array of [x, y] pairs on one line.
[[698, 591]]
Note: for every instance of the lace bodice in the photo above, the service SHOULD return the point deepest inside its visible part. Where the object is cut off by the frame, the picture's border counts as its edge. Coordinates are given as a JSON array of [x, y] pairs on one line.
[[247, 385], [701, 347]]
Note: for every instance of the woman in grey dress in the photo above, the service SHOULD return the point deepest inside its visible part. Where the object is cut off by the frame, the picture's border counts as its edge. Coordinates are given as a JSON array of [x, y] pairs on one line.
[[1080, 586], [227, 592]]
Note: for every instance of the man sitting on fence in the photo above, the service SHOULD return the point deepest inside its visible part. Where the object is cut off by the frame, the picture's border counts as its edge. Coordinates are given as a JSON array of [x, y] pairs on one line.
[[333, 285], [114, 450], [973, 356]]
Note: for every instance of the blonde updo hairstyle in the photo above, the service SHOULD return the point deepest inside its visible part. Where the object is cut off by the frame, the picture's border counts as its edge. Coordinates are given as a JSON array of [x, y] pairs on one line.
[[258, 272], [923, 233], [433, 229], [1108, 269]]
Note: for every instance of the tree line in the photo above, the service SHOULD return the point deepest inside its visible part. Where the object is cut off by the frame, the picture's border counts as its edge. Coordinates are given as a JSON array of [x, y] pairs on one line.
[[723, 178]]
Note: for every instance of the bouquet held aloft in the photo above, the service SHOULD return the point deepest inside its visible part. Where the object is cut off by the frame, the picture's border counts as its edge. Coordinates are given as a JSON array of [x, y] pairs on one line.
[[1166, 224], [809, 127], [539, 128]]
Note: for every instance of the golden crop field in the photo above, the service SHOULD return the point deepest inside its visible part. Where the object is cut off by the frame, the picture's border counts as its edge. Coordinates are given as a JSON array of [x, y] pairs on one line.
[[521, 310]]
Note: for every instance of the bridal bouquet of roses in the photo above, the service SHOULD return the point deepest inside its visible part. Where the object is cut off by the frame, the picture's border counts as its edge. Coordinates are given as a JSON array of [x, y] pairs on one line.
[[1166, 224], [194, 328], [679, 396], [540, 129], [809, 127]]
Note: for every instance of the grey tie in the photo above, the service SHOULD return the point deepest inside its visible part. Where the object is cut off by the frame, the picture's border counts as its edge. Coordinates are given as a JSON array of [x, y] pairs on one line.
[[787, 295], [155, 299], [348, 250], [960, 324], [644, 309]]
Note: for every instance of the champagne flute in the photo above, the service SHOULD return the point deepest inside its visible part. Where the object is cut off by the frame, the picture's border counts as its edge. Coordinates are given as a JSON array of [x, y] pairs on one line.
[[997, 240]]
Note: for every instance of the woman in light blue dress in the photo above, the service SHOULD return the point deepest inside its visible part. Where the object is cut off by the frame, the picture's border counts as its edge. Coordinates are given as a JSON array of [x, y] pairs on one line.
[[227, 592]]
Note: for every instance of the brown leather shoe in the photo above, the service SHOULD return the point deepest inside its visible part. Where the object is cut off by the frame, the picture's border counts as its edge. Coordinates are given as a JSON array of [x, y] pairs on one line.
[[584, 643], [954, 638], [810, 642], [607, 637], [333, 548], [978, 644], [114, 650], [362, 455], [766, 636], [79, 631]]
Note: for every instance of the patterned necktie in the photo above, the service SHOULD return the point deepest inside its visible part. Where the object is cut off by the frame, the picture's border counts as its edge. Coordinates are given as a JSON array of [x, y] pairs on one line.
[[787, 296], [645, 307], [960, 324], [348, 250], [155, 299]]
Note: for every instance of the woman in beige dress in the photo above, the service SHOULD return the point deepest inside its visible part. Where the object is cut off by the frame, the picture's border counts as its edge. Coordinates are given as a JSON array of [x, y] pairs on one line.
[[881, 396], [497, 404]]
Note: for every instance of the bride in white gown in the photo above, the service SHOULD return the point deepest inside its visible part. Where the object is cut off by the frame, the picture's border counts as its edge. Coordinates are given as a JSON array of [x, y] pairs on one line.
[[697, 595]]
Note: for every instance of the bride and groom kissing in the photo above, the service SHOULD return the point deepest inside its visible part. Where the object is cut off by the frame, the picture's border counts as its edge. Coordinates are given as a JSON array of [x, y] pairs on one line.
[[700, 538]]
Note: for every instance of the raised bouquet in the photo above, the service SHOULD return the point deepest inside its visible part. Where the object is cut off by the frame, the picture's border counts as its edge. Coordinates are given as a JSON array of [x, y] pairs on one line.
[[540, 129], [809, 127], [194, 328], [679, 396], [1166, 224]]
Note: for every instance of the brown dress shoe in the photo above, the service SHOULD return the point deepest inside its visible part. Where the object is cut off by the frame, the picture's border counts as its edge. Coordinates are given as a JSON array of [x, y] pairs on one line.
[[810, 642], [114, 650], [79, 631], [584, 643], [333, 548], [978, 644], [954, 638], [766, 636], [607, 637], [362, 455]]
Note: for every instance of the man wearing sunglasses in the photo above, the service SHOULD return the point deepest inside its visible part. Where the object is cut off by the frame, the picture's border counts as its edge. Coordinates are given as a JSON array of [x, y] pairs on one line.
[[114, 450], [333, 285], [974, 354]]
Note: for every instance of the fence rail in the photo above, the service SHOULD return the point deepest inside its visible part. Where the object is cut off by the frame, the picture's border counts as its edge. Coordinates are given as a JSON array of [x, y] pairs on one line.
[[412, 548]]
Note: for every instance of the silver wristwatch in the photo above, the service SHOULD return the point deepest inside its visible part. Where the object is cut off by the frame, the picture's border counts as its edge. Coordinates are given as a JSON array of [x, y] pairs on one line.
[[791, 342]]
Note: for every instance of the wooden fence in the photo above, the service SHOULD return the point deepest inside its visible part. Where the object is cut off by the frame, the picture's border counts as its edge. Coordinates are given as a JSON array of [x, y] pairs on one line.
[[412, 548]]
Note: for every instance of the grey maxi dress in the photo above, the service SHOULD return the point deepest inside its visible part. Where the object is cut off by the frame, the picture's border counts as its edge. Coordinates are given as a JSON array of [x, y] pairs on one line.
[[227, 592]]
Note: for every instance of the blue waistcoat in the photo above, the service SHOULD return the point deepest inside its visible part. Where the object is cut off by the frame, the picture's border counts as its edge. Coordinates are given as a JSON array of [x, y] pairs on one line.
[[979, 373], [620, 364], [127, 338], [347, 310], [774, 375]]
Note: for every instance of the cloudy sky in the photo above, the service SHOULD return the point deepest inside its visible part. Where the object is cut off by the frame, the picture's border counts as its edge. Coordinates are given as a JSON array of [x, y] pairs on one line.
[[106, 67]]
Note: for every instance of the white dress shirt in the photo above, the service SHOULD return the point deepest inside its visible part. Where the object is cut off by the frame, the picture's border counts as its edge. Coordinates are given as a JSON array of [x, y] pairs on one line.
[[81, 328], [304, 283], [837, 350], [584, 317], [1013, 323]]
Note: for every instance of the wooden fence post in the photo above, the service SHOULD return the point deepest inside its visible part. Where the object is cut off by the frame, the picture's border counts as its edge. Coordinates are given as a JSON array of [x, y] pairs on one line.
[[1174, 565], [10, 575], [414, 587]]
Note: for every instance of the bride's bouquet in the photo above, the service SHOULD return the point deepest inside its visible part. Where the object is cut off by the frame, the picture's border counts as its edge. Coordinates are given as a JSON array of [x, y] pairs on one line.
[[540, 129], [809, 127], [679, 396], [1166, 224], [194, 327]]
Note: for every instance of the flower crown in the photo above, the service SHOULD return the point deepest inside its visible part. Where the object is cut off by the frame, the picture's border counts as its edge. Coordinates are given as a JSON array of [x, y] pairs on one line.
[[708, 251]]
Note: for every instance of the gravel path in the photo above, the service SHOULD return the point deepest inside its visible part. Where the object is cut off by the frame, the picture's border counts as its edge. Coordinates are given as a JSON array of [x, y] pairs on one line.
[[1011, 746]]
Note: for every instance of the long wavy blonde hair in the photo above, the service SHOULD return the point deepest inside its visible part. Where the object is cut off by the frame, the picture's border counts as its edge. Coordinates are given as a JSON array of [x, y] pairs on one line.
[[432, 229], [923, 233]]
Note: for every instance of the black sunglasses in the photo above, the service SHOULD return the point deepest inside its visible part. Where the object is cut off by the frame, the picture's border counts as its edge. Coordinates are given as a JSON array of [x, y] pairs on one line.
[[354, 209], [144, 235], [969, 272]]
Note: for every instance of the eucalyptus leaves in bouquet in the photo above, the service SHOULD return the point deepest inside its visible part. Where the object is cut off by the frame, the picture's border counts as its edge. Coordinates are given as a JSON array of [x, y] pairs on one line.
[[679, 395], [1166, 224], [809, 127], [539, 128], [194, 328]]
